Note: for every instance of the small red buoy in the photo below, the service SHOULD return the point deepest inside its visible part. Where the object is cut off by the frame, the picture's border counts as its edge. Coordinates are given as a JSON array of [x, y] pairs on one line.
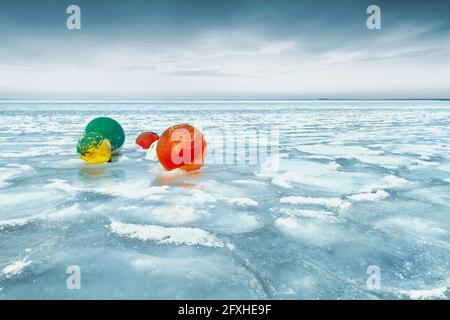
[[145, 139]]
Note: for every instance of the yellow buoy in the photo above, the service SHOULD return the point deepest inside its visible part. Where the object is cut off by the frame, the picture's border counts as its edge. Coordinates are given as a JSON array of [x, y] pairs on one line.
[[94, 148]]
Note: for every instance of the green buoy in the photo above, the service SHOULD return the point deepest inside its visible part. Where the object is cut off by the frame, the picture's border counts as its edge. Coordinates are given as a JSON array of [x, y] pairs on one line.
[[110, 129]]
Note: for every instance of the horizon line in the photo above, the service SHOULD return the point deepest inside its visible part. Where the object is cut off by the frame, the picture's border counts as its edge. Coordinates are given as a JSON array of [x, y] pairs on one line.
[[2, 100]]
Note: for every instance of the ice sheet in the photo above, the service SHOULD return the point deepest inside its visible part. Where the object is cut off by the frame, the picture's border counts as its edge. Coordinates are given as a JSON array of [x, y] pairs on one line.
[[357, 184]]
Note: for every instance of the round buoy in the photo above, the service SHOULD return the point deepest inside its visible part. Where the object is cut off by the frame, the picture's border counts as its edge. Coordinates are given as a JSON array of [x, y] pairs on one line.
[[93, 147], [145, 139], [181, 146], [110, 129]]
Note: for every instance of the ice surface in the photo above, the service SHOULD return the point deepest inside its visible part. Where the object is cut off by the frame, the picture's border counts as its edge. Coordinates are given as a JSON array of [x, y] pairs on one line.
[[359, 183]]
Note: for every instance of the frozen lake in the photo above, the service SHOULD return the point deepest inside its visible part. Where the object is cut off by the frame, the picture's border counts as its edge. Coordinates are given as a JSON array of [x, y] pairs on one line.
[[359, 184]]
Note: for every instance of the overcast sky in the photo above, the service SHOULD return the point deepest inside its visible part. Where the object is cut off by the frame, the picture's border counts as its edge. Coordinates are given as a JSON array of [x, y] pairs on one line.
[[186, 49]]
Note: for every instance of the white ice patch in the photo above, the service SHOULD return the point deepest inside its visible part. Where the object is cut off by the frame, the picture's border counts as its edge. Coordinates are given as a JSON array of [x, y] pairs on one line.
[[392, 181], [435, 194], [437, 293], [14, 222], [387, 182], [14, 268], [370, 196], [141, 191], [310, 214], [316, 157], [127, 208], [11, 171], [320, 176], [191, 276], [62, 214], [166, 235], [198, 197], [309, 230], [249, 182], [122, 158], [444, 167], [49, 215], [243, 202], [302, 172], [424, 150], [63, 185], [132, 191], [136, 190], [327, 202], [211, 266], [413, 225], [26, 198], [338, 150], [420, 164], [233, 223], [33, 152], [21, 167], [176, 214], [53, 141]]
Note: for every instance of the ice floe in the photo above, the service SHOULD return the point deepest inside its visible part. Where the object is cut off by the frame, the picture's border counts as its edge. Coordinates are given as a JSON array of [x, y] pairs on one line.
[[387, 182], [413, 225], [244, 202], [370, 196], [11, 171], [311, 231], [166, 235], [302, 172], [33, 152], [15, 268], [436, 293], [46, 215], [174, 214], [63, 185], [14, 222], [312, 214], [327, 202]]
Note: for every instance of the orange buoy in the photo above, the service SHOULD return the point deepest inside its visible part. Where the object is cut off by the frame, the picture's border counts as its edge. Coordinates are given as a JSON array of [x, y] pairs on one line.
[[181, 146]]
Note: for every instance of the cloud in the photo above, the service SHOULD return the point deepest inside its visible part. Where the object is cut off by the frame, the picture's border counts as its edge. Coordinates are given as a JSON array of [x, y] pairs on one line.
[[223, 49]]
